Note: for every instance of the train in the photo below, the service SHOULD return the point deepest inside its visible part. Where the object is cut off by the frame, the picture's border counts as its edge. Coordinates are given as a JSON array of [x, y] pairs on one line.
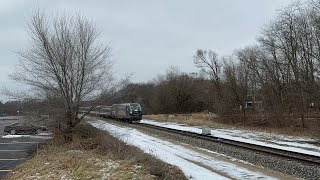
[[129, 112]]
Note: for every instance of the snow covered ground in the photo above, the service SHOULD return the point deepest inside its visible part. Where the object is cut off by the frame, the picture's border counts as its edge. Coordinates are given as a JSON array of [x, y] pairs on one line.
[[39, 136], [194, 164], [290, 143]]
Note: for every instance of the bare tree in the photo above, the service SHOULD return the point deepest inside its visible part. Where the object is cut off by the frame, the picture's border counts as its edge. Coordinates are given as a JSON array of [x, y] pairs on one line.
[[65, 60], [209, 63]]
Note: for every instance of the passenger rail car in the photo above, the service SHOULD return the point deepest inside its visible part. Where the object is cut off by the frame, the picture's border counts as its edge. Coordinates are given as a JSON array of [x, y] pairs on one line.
[[105, 112], [96, 111], [83, 110]]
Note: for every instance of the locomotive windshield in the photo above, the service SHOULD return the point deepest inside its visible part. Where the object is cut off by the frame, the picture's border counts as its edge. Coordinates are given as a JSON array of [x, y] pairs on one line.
[[135, 107]]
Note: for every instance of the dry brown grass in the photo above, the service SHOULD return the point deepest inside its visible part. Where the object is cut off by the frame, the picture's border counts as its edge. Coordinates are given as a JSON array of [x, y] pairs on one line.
[[93, 154], [58, 163], [204, 119]]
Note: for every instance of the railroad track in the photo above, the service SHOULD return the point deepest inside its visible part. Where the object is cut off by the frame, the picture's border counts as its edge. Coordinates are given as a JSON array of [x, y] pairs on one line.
[[295, 156]]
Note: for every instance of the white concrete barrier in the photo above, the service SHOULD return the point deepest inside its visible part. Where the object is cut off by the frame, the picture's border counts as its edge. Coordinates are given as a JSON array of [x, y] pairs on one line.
[[206, 130]]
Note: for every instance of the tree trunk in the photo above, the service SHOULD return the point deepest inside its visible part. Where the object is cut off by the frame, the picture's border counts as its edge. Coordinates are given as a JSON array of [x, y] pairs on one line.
[[70, 125]]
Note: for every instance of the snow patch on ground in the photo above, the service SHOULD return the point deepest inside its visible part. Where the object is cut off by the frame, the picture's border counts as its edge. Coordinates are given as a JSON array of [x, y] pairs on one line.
[[290, 143], [194, 164], [11, 117], [14, 136], [44, 134], [9, 136]]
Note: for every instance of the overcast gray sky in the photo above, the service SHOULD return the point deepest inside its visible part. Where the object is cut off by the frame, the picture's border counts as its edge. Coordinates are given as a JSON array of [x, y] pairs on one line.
[[147, 35]]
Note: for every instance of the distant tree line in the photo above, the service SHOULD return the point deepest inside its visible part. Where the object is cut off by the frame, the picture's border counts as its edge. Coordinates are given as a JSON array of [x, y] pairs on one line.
[[173, 92], [9, 108], [275, 81], [23, 107]]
